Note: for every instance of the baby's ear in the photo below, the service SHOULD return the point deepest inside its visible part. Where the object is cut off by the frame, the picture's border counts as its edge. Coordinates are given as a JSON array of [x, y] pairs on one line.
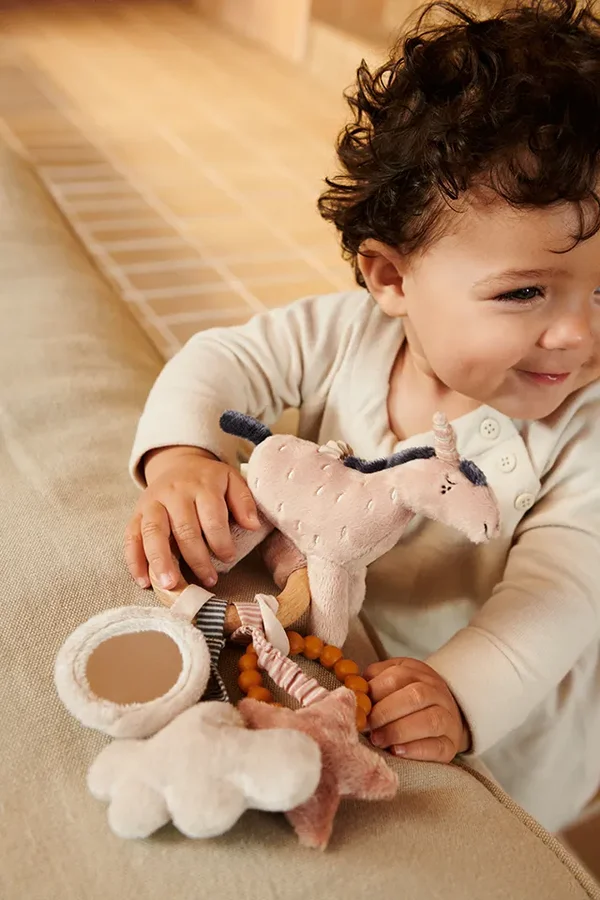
[[382, 268]]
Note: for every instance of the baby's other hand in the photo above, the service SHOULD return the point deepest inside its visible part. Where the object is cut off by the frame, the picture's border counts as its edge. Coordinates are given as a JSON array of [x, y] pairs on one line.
[[414, 714]]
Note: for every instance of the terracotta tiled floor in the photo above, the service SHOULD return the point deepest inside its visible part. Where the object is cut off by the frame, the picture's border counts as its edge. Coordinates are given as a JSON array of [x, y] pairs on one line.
[[188, 162]]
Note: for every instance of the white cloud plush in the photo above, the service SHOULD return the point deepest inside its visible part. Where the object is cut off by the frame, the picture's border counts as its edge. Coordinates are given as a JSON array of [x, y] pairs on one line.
[[202, 771]]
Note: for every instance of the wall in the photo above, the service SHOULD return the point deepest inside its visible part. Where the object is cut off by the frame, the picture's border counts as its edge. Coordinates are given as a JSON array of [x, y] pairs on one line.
[[280, 25], [379, 21], [374, 20]]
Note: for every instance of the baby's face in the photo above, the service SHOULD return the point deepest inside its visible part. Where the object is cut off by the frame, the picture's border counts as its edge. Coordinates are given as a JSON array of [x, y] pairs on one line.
[[501, 317]]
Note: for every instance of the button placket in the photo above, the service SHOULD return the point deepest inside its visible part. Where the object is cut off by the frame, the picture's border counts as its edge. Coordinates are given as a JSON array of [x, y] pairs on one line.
[[493, 438]]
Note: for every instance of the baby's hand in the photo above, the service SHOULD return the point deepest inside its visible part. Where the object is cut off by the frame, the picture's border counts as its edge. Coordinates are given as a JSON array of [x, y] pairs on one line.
[[189, 497], [414, 713]]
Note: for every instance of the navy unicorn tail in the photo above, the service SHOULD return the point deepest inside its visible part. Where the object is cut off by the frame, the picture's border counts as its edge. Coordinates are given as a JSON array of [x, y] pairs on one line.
[[239, 425]]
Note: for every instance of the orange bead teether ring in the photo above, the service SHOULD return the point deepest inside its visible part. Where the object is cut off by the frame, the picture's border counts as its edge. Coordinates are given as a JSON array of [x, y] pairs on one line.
[[346, 670]]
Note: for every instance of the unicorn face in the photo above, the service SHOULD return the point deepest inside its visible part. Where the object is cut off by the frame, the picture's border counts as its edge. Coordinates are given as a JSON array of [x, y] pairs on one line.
[[457, 495], [435, 482]]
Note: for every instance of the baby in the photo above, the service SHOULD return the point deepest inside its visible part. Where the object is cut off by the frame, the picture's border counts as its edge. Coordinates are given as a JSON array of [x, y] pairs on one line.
[[468, 205]]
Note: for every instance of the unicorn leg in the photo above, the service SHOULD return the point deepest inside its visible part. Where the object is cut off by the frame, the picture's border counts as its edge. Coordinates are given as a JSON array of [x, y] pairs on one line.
[[330, 593], [358, 587], [281, 557]]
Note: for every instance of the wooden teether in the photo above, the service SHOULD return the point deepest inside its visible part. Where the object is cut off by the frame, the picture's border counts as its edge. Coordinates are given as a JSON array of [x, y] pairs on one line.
[[293, 600]]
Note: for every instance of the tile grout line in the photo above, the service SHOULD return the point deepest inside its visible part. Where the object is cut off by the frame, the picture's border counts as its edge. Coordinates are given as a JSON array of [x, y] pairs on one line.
[[101, 205], [75, 171], [143, 244], [91, 188], [199, 316], [177, 290]]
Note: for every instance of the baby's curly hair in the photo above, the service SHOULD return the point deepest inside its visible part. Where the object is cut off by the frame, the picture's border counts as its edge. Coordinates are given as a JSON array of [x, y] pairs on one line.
[[511, 101]]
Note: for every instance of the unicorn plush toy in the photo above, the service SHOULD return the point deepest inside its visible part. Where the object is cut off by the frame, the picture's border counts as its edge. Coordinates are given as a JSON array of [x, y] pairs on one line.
[[334, 514]]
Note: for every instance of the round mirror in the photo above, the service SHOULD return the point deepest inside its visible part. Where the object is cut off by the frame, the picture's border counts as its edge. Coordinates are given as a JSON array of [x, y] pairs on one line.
[[130, 671], [134, 668]]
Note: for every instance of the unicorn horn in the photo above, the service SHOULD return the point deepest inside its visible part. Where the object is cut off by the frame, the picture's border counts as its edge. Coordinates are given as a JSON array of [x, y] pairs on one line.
[[445, 439]]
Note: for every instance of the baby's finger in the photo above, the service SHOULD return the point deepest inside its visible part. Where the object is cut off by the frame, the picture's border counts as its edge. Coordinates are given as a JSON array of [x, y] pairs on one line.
[[188, 534], [155, 529], [411, 699], [433, 749], [134, 552], [434, 721], [377, 668], [241, 503], [214, 518], [394, 678]]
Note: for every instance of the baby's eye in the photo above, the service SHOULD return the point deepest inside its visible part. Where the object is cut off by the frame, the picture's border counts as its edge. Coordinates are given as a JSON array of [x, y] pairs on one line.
[[523, 295], [448, 481]]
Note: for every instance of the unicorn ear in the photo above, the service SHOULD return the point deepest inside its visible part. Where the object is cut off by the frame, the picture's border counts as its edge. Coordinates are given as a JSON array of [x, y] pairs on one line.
[[445, 440]]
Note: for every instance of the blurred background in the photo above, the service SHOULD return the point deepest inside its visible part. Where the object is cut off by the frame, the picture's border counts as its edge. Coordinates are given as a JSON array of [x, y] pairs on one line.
[[186, 142]]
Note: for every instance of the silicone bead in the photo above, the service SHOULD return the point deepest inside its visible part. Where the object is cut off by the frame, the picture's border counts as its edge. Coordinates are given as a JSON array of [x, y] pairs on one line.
[[356, 683], [247, 661], [363, 702], [260, 693], [329, 656], [345, 667], [296, 642], [312, 647], [249, 678], [361, 719]]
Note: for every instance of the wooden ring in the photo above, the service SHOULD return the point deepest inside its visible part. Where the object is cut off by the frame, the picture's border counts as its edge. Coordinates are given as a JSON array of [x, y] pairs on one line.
[[294, 600]]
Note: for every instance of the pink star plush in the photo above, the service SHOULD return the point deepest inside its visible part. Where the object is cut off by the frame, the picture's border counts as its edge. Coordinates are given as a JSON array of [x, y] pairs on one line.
[[348, 767]]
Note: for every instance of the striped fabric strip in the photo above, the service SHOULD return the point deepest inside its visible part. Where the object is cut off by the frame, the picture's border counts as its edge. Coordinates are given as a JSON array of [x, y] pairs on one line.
[[251, 619], [210, 620], [286, 673], [281, 669]]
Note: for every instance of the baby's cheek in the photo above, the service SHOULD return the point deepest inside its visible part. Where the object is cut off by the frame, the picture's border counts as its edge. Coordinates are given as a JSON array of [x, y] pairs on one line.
[[591, 371], [475, 369], [466, 374]]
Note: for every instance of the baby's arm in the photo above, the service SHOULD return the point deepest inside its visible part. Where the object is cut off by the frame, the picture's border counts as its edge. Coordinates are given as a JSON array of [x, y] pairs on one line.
[[187, 465], [490, 676], [546, 610]]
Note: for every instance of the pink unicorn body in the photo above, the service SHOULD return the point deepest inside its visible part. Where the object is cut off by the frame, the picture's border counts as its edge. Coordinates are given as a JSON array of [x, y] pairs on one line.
[[342, 513]]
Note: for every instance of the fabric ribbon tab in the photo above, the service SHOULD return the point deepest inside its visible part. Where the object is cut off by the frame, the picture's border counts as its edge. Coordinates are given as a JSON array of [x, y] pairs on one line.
[[191, 599], [274, 630]]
